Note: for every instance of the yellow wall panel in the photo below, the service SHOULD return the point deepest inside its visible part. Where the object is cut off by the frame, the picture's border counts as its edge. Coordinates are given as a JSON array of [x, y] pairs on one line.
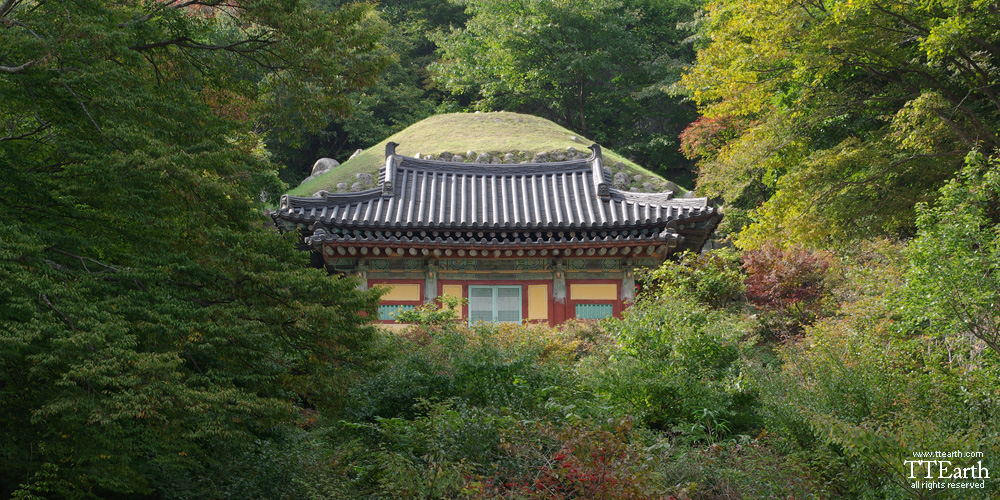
[[452, 290], [593, 291], [538, 302], [402, 292]]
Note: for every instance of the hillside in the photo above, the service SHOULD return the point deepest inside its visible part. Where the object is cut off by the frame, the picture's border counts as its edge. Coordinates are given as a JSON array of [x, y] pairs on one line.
[[495, 133]]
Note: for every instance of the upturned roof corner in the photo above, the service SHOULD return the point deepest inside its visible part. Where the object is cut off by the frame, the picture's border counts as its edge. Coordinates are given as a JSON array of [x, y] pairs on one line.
[[564, 203]]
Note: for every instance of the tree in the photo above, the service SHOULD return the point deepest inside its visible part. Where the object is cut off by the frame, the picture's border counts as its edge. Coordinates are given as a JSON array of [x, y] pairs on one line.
[[403, 95], [953, 283], [845, 114], [154, 327], [597, 67]]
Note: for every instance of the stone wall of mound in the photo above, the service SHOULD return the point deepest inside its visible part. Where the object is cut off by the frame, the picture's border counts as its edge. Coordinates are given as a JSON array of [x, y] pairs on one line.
[[623, 178]]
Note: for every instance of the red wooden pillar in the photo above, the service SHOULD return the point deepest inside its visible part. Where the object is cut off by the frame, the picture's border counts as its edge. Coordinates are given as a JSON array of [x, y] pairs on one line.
[[559, 313]]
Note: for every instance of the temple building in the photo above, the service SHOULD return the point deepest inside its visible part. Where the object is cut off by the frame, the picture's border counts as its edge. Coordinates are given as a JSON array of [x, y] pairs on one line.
[[535, 242]]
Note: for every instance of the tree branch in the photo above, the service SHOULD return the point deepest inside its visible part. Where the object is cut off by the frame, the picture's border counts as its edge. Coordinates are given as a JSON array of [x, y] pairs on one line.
[[84, 260], [7, 6], [65, 318], [87, 112], [40, 128], [18, 69], [189, 43]]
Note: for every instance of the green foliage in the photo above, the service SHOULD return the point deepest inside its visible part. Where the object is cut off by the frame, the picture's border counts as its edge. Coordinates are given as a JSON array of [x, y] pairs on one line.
[[954, 279], [739, 469], [839, 117], [442, 315], [402, 95], [513, 366], [433, 455], [152, 328], [463, 412], [157, 340], [452, 450], [863, 391], [712, 278], [598, 67], [544, 52], [588, 461], [679, 363]]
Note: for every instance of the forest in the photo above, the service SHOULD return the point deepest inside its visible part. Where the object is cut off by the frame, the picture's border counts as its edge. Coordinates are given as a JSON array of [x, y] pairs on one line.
[[160, 339]]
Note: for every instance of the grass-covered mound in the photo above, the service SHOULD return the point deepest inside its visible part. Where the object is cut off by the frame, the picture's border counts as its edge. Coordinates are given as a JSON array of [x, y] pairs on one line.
[[496, 133]]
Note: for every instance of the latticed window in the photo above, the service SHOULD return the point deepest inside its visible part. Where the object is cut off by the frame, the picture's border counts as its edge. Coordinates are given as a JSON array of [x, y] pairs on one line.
[[388, 312], [594, 311], [494, 304]]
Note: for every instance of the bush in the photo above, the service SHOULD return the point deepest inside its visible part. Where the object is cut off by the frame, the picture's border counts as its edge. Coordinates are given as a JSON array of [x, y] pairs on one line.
[[713, 278], [581, 460], [954, 279], [678, 359], [863, 390], [517, 366], [786, 285], [739, 470], [434, 455]]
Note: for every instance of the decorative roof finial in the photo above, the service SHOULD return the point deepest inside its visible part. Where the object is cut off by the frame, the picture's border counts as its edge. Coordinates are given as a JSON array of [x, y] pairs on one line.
[[595, 149], [597, 169], [390, 148]]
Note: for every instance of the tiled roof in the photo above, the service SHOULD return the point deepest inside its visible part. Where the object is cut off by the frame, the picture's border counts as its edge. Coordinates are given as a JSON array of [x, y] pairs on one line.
[[453, 203]]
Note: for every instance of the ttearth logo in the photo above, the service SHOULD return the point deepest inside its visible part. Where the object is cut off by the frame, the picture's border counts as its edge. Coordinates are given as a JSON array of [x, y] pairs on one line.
[[946, 470]]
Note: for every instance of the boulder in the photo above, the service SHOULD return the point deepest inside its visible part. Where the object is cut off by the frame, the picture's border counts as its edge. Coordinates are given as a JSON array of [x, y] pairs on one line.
[[619, 165], [470, 154], [357, 187], [495, 160], [541, 157], [621, 179], [356, 153], [341, 187], [574, 138], [637, 177], [318, 194], [649, 187], [559, 157], [457, 159], [483, 158], [323, 165], [365, 178], [670, 186], [446, 156], [509, 158]]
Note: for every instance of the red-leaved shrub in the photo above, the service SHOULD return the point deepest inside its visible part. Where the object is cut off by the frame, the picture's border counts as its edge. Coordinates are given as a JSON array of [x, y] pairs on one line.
[[787, 284], [591, 463], [704, 136]]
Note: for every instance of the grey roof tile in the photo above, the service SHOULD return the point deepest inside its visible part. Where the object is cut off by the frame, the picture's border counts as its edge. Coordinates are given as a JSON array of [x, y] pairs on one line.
[[440, 195]]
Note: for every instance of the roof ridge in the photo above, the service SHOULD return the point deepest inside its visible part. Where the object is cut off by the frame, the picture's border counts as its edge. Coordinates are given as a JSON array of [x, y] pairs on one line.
[[491, 168], [390, 150], [325, 197]]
